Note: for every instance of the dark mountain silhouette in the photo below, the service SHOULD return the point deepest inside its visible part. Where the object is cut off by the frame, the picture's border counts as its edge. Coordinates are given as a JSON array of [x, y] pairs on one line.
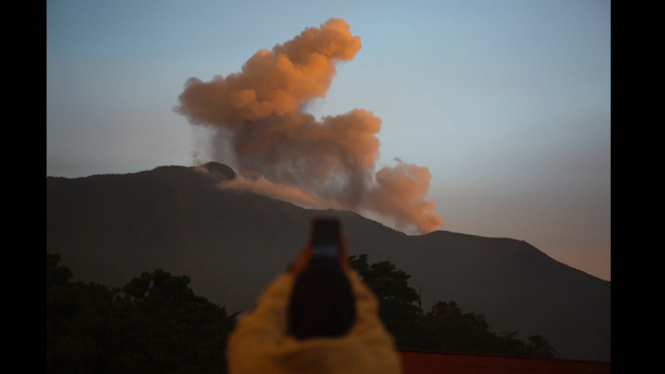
[[110, 228]]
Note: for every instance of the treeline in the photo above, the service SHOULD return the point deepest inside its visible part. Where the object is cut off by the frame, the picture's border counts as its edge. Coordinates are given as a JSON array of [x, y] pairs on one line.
[[445, 327], [156, 324]]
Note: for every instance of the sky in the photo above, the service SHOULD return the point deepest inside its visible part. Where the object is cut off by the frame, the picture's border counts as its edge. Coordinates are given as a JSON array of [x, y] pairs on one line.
[[502, 107]]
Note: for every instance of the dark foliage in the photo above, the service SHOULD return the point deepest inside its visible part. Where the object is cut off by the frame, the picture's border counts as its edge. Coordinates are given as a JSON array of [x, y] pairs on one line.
[[155, 324], [446, 327], [396, 298], [110, 228]]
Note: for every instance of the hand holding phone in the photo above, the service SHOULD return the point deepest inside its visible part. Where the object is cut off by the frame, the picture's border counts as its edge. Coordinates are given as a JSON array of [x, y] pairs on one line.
[[325, 238], [326, 242]]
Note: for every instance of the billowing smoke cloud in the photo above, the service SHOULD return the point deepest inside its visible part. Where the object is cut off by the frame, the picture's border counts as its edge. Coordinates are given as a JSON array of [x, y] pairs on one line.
[[280, 191], [281, 151]]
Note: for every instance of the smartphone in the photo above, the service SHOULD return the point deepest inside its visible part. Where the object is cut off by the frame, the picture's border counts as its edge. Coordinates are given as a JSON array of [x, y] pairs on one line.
[[325, 232]]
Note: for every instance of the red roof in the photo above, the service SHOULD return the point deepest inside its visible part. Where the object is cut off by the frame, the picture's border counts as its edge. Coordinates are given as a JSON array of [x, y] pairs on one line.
[[416, 362]]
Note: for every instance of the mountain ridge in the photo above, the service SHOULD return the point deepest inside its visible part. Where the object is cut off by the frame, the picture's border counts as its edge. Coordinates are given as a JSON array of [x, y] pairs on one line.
[[109, 228]]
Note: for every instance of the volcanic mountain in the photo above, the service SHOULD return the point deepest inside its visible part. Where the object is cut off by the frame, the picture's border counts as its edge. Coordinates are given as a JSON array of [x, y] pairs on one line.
[[110, 228]]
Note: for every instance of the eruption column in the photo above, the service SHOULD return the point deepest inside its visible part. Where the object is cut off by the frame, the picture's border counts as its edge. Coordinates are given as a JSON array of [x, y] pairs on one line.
[[284, 152]]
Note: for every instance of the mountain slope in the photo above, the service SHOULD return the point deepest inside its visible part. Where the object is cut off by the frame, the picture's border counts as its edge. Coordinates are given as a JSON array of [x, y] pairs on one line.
[[110, 228]]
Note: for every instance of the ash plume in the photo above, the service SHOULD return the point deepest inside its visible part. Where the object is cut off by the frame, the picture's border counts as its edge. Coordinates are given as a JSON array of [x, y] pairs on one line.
[[282, 151]]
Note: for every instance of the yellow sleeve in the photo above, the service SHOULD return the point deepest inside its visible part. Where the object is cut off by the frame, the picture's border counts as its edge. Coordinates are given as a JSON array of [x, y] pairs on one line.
[[380, 355], [259, 344], [262, 329]]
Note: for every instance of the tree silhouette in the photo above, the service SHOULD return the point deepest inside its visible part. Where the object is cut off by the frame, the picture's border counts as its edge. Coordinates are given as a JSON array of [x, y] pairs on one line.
[[155, 324], [166, 327], [77, 317], [396, 299], [445, 327], [56, 275], [540, 347]]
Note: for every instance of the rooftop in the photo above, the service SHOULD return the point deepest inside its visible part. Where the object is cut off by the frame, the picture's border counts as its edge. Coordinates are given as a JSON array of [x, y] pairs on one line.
[[418, 362]]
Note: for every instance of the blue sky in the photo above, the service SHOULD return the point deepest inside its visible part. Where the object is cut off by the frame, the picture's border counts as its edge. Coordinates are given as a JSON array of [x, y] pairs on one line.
[[506, 102]]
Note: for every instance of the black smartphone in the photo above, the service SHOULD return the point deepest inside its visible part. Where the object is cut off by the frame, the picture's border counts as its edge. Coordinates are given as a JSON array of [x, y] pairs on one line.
[[325, 232]]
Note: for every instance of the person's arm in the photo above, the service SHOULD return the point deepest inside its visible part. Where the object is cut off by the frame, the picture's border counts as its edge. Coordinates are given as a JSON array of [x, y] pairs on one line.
[[259, 343], [377, 343], [261, 329]]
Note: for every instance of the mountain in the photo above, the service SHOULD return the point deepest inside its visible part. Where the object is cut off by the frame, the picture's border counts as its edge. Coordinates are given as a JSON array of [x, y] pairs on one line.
[[110, 228]]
